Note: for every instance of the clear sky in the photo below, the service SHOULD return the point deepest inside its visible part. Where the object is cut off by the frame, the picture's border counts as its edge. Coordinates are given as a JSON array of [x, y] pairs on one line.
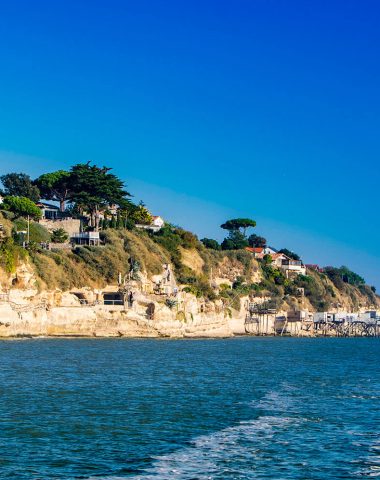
[[208, 109]]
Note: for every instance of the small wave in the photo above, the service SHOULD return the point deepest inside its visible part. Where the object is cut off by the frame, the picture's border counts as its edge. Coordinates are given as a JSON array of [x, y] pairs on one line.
[[230, 452], [226, 452], [372, 462]]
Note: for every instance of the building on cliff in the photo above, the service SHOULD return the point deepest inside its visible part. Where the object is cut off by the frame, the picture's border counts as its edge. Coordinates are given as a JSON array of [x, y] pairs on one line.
[[155, 226], [49, 211], [85, 238], [279, 260]]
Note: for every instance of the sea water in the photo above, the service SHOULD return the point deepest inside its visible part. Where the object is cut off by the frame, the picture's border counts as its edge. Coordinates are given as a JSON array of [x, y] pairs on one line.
[[245, 408]]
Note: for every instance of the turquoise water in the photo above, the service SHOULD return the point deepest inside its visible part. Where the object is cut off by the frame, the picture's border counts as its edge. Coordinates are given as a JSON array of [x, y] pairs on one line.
[[248, 408]]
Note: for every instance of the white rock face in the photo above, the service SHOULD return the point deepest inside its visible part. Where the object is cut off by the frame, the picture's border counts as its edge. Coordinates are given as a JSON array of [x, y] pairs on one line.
[[62, 314]]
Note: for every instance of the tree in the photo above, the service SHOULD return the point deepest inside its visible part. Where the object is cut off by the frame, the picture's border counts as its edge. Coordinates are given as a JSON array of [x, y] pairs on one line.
[[267, 259], [343, 274], [211, 243], [59, 236], [237, 238], [289, 254], [94, 188], [112, 223], [56, 186], [20, 185], [141, 215], [257, 241], [119, 221], [21, 207], [238, 224], [235, 241]]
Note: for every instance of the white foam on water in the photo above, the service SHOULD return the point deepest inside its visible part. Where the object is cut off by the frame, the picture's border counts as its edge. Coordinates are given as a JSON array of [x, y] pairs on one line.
[[217, 453], [231, 451]]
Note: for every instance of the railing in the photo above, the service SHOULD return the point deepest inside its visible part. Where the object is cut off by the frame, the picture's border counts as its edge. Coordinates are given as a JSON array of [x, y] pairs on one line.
[[114, 302], [20, 308], [86, 235]]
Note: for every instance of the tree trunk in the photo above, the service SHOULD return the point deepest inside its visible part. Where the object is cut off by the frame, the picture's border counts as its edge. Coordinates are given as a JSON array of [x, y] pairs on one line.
[[62, 206], [96, 220]]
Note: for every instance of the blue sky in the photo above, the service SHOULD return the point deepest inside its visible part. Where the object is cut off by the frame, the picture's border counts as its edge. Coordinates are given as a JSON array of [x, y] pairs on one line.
[[208, 109]]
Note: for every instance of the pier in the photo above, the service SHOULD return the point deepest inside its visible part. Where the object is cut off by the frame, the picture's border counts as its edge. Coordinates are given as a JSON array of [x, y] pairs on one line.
[[261, 320]]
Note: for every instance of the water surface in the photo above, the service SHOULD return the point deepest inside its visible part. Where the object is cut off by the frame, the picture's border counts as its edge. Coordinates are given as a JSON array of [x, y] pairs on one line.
[[248, 408]]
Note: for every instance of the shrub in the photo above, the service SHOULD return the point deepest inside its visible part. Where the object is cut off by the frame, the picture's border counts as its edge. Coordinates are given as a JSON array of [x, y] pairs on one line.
[[257, 241], [37, 233], [10, 255], [235, 241], [21, 207], [211, 243], [343, 274], [59, 236]]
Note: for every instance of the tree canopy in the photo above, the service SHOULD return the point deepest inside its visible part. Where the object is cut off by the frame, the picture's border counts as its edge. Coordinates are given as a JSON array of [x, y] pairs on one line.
[[59, 235], [21, 207], [20, 185], [289, 254], [344, 274], [237, 237], [94, 188], [140, 214], [238, 224], [211, 243], [56, 186], [257, 241], [235, 241]]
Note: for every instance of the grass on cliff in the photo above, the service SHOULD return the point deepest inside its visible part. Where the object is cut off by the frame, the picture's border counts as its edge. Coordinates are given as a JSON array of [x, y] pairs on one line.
[[195, 267], [98, 266]]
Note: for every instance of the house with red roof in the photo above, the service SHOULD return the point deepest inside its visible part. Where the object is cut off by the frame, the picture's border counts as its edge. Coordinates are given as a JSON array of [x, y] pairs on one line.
[[279, 260]]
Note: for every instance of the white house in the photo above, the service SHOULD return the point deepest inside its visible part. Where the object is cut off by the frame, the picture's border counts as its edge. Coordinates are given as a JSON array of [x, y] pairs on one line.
[[269, 251], [279, 260], [155, 226], [86, 238], [1, 199], [292, 266], [158, 221]]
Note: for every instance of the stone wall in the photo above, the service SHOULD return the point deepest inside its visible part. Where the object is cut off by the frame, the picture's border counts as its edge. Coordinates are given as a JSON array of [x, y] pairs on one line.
[[70, 225]]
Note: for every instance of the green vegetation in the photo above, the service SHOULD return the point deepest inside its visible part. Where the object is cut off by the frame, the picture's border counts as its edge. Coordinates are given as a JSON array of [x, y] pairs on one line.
[[99, 198], [10, 255], [343, 275], [241, 224], [235, 241], [237, 233], [94, 188], [211, 243], [141, 215], [257, 241], [59, 236], [19, 185], [37, 233], [56, 186], [21, 207], [289, 254]]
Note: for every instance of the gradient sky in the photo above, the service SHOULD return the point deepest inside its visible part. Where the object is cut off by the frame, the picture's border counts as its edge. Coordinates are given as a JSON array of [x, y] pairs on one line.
[[208, 109]]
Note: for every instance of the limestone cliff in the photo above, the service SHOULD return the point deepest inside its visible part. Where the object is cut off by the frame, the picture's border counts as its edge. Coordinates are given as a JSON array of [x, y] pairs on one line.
[[137, 284]]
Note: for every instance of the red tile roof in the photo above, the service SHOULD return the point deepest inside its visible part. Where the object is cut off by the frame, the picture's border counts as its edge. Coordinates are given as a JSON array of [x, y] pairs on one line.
[[255, 250]]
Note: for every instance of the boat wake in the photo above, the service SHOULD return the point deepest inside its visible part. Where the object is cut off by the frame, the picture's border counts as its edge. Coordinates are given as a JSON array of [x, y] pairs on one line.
[[229, 453]]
